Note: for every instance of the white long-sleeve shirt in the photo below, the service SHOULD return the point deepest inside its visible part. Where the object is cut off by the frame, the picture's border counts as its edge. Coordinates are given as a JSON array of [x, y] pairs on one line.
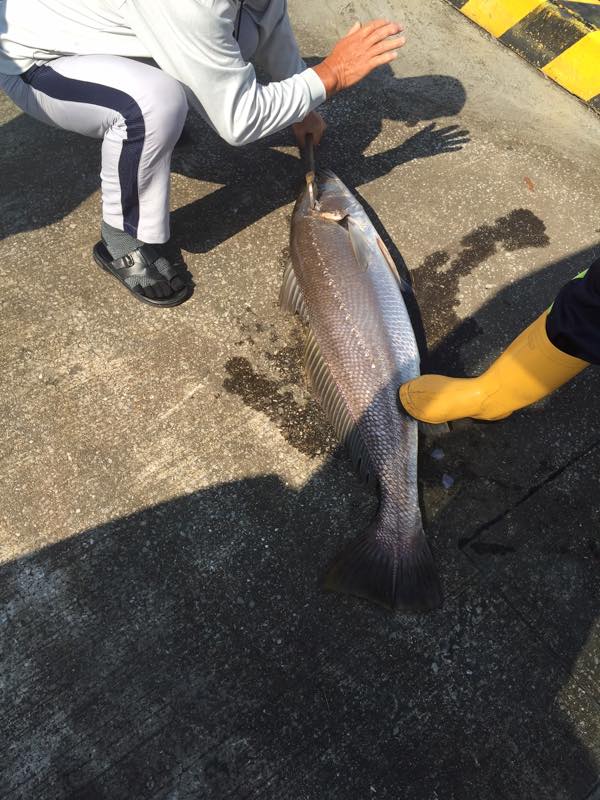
[[192, 40]]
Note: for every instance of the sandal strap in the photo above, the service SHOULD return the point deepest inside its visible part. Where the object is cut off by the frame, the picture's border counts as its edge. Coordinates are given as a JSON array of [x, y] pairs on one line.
[[138, 267], [165, 268]]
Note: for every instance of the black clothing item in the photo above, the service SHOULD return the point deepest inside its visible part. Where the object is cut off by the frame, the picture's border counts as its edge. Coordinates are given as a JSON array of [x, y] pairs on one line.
[[573, 323], [149, 276]]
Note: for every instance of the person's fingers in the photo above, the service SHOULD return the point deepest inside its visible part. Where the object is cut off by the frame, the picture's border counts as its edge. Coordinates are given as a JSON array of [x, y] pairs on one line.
[[387, 45], [364, 48], [374, 25], [383, 32], [315, 125], [385, 58], [318, 134]]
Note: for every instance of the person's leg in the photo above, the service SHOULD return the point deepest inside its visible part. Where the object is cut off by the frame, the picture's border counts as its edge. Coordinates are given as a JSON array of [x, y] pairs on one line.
[[551, 351], [139, 113]]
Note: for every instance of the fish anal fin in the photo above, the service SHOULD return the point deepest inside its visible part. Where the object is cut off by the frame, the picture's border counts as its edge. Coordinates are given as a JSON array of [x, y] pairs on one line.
[[334, 405], [291, 298]]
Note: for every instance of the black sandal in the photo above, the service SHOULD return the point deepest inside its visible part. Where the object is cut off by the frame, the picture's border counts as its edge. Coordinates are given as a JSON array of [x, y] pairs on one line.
[[146, 274]]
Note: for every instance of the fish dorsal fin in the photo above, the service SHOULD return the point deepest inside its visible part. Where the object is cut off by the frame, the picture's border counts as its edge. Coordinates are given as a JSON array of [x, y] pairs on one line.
[[291, 298], [334, 406], [404, 285]]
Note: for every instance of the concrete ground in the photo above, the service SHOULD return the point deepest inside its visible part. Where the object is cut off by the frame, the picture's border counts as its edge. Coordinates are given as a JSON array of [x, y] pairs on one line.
[[171, 495]]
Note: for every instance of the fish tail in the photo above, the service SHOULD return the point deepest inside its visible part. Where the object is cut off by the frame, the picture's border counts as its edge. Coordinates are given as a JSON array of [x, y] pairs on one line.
[[373, 568]]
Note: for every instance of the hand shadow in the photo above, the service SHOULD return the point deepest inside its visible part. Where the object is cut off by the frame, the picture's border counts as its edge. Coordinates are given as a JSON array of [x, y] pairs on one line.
[[255, 179], [260, 178]]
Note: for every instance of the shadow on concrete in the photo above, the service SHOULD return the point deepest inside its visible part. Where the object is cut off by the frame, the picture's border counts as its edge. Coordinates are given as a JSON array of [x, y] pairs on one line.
[[437, 282], [38, 191], [260, 178], [187, 650]]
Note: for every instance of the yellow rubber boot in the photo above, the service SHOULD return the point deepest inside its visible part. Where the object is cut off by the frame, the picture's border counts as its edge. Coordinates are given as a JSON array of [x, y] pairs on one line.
[[530, 368]]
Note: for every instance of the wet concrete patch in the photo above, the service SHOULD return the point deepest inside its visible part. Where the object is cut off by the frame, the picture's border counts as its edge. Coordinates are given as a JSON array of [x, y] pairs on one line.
[[437, 280], [278, 388]]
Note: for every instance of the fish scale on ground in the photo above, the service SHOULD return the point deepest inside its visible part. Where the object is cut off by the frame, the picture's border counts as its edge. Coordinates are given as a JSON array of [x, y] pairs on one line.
[[361, 347]]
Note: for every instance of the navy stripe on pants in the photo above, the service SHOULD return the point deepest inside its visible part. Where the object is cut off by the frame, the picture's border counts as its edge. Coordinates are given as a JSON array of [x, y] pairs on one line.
[[45, 79]]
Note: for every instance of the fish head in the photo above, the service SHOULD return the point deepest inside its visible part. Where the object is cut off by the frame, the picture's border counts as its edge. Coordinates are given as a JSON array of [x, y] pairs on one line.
[[329, 225], [327, 198]]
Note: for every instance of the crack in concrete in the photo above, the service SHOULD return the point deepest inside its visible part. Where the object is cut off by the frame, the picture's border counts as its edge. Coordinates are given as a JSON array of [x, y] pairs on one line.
[[467, 540]]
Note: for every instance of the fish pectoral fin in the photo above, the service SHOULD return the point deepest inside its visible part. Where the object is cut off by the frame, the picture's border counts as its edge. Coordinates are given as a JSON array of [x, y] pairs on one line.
[[334, 405], [360, 244], [405, 286], [291, 298]]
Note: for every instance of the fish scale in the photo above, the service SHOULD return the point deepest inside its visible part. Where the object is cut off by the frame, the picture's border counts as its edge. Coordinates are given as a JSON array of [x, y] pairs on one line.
[[361, 347]]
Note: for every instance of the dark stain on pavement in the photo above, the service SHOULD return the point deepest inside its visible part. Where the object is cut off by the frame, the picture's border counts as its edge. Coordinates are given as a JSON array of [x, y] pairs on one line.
[[288, 360], [305, 427], [269, 385], [437, 280]]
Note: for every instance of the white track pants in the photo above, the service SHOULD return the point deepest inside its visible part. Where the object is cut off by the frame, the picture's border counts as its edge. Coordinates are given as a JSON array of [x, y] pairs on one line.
[[136, 109]]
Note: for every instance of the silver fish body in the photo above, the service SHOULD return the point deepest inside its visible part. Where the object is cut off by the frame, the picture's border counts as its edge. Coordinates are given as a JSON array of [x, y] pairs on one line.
[[361, 347]]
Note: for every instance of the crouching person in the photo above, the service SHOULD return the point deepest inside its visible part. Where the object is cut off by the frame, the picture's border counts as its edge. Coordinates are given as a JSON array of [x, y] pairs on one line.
[[74, 64]]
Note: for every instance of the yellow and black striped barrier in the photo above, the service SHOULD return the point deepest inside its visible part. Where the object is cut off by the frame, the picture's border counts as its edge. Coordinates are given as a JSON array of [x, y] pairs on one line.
[[560, 38]]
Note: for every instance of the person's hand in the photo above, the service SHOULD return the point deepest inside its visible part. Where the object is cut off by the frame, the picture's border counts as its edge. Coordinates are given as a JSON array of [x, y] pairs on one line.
[[362, 50], [312, 123]]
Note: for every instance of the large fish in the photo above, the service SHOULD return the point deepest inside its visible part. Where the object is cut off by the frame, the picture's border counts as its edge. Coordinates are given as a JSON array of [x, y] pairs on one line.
[[361, 346]]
